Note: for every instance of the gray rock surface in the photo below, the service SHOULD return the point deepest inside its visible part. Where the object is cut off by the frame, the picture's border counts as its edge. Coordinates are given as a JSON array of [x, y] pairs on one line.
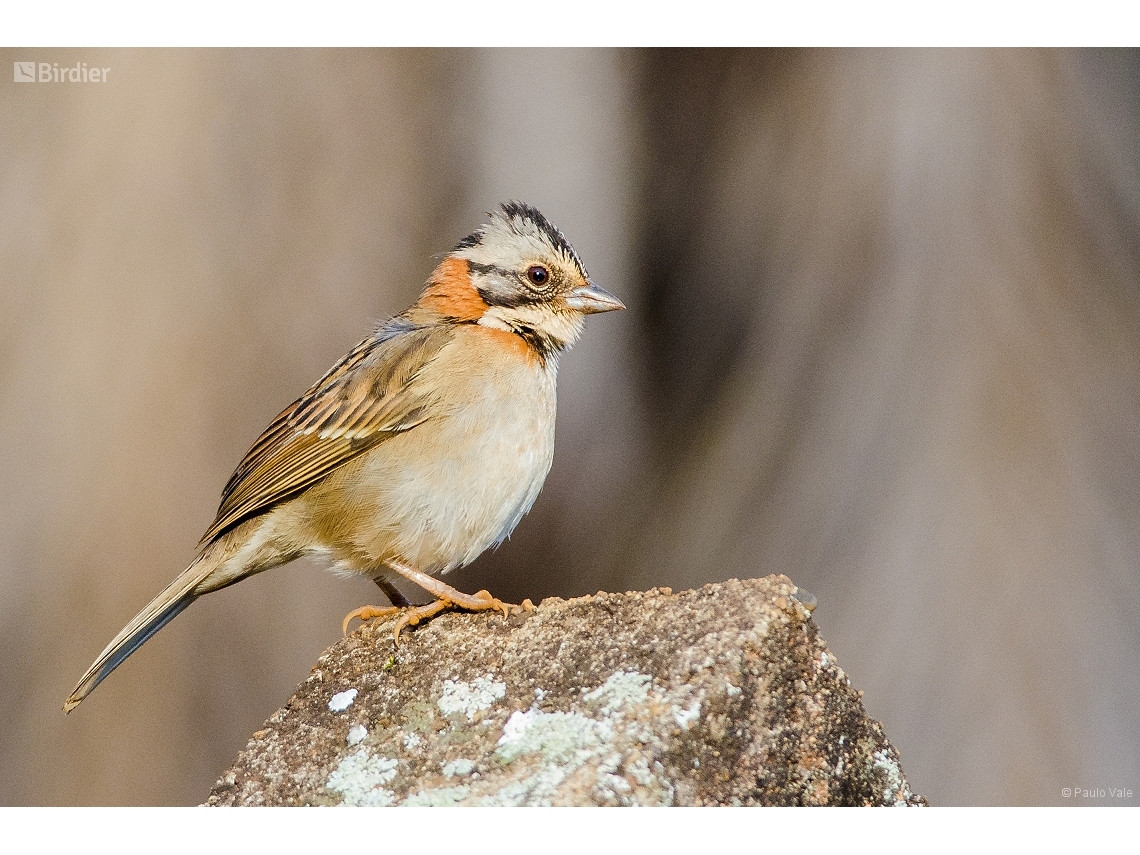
[[724, 695]]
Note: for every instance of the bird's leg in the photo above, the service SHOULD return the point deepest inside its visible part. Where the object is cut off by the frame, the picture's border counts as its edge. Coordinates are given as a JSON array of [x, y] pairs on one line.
[[477, 602], [446, 596], [397, 599], [392, 592]]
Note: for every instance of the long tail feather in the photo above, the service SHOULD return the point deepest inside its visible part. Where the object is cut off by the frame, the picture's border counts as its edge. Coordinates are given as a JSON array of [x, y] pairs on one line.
[[158, 613]]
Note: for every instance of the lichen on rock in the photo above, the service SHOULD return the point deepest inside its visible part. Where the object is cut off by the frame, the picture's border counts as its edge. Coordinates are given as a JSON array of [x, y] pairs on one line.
[[722, 695]]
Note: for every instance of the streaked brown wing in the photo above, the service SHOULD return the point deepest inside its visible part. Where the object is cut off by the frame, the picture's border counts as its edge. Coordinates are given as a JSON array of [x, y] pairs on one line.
[[363, 399]]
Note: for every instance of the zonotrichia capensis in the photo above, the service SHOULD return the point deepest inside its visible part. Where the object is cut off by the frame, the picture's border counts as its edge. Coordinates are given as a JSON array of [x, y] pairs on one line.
[[421, 448]]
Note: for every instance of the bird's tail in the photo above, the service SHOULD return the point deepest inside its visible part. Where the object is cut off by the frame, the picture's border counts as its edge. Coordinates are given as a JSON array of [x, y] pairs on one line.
[[159, 612]]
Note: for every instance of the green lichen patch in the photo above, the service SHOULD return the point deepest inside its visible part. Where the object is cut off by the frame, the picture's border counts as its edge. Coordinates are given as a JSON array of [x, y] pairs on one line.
[[360, 778]]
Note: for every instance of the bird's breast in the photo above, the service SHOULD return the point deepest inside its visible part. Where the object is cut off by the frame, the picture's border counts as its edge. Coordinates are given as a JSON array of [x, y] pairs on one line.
[[438, 495]]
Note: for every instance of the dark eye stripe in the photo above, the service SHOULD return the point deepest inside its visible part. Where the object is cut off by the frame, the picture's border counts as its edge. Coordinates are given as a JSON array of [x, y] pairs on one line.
[[510, 297], [488, 269]]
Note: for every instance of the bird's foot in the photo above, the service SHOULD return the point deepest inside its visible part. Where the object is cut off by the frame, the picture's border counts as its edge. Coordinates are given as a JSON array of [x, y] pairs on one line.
[[480, 601], [445, 597], [366, 613], [412, 615], [415, 614]]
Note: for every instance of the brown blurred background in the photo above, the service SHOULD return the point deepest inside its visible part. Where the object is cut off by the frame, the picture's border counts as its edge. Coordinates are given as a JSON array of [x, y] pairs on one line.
[[883, 336]]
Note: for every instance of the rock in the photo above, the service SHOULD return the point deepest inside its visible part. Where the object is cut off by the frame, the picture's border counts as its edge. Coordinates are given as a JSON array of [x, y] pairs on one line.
[[720, 696]]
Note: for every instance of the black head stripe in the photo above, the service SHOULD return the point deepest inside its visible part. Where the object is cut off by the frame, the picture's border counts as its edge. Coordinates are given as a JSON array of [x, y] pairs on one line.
[[523, 211], [473, 239]]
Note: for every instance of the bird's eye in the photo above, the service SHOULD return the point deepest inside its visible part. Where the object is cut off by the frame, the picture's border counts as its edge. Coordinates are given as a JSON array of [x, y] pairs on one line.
[[537, 275]]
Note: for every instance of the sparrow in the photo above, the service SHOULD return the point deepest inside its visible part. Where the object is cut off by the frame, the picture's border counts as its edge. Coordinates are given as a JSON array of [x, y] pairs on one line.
[[417, 451]]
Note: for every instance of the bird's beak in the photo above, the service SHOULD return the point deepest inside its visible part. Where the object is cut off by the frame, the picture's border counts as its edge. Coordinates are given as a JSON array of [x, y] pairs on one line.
[[590, 298]]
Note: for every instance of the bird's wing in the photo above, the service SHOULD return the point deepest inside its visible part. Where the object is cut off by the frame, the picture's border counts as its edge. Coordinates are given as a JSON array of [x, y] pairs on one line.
[[364, 399]]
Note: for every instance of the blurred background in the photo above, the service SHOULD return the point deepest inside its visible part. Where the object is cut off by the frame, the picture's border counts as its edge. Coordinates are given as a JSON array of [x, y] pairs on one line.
[[883, 336]]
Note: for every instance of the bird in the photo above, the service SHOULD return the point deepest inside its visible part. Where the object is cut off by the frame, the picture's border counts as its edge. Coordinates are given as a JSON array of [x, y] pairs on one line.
[[420, 449]]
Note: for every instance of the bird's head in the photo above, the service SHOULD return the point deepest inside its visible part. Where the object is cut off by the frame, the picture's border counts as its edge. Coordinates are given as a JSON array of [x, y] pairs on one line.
[[517, 273]]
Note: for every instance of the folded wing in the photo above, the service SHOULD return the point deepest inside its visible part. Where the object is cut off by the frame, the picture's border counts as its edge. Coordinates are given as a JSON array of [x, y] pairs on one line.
[[364, 399]]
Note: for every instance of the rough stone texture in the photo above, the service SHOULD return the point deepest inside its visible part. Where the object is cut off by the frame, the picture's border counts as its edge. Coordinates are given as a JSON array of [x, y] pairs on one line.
[[720, 696]]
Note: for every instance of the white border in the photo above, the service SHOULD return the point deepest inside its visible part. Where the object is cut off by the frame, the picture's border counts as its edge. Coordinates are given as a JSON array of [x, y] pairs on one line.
[[343, 831], [67, 23]]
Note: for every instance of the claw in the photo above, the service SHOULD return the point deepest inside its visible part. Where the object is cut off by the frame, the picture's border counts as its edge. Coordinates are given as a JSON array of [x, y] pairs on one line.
[[414, 615], [366, 613], [494, 603]]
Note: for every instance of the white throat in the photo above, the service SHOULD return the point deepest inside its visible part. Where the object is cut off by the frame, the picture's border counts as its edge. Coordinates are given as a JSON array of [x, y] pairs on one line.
[[561, 327]]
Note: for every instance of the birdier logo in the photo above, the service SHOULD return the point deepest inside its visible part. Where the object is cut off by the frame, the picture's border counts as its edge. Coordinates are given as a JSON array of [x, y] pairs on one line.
[[50, 72]]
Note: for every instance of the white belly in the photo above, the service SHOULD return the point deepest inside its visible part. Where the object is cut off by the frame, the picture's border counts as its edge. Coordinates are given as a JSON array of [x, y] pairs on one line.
[[459, 483]]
